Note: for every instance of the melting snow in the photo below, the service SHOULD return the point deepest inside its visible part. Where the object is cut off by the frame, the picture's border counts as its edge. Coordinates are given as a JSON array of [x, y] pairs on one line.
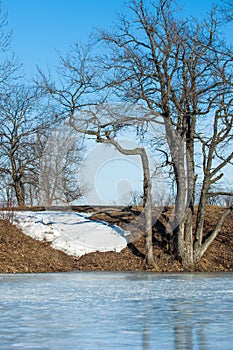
[[71, 232]]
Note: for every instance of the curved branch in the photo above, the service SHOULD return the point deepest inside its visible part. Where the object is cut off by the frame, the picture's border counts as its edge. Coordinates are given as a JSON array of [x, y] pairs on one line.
[[128, 152]]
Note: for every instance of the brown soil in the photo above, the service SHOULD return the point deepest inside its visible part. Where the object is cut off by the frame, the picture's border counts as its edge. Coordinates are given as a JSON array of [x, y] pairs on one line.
[[20, 253]]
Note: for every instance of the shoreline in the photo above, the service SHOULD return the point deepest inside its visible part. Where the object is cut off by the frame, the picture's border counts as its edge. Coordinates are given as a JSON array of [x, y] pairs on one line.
[[22, 254]]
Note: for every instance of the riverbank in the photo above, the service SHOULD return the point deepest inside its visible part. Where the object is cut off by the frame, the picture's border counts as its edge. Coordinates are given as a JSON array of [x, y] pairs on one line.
[[20, 253]]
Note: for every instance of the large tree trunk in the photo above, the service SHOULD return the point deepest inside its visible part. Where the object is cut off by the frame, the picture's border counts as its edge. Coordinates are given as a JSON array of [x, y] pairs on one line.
[[147, 204], [17, 175], [187, 244], [20, 193], [181, 150], [179, 210], [183, 238]]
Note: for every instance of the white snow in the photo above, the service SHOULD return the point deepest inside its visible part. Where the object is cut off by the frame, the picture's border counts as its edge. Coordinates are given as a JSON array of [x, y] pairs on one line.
[[71, 232]]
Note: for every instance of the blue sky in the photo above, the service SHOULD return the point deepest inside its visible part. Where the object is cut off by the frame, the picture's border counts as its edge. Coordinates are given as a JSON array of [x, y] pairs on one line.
[[40, 27]]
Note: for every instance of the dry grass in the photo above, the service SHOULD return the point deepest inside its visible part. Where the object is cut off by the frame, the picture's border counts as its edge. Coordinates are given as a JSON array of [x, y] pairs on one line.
[[20, 253]]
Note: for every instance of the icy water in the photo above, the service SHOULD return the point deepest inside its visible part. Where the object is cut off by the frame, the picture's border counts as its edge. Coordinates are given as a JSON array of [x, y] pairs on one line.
[[116, 311]]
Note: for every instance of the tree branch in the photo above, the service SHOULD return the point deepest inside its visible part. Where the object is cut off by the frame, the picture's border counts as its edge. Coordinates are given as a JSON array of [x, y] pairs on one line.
[[214, 234]]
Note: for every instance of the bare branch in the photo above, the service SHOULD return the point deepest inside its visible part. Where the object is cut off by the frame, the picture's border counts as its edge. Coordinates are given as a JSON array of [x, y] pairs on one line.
[[220, 193], [215, 232]]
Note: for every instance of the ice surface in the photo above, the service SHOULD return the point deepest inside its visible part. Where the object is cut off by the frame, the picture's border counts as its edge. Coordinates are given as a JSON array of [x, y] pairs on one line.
[[71, 232], [104, 310]]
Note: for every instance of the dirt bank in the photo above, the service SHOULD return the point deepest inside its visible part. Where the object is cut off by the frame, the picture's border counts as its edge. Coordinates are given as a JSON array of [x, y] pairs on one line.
[[20, 253]]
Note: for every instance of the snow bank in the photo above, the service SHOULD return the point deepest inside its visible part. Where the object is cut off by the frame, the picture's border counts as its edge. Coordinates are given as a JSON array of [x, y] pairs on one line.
[[71, 232]]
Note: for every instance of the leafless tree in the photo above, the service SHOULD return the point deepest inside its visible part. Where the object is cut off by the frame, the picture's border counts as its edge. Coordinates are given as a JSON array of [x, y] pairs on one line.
[[23, 121], [182, 70], [9, 70], [59, 168]]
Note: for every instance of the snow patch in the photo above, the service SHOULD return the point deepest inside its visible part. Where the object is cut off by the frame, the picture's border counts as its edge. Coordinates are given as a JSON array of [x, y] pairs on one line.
[[71, 232]]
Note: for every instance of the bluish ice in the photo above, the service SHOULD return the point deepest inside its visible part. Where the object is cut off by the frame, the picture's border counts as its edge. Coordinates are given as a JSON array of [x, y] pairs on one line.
[[104, 310]]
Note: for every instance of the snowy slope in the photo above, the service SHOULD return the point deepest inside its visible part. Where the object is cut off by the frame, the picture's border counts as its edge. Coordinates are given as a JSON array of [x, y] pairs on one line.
[[71, 232]]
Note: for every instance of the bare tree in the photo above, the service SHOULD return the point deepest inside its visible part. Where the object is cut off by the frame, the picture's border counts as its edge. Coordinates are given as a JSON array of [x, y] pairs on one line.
[[22, 123], [8, 69], [182, 70], [59, 166]]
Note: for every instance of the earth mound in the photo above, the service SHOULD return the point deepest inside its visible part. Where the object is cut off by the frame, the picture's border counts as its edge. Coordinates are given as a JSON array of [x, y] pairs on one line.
[[20, 253]]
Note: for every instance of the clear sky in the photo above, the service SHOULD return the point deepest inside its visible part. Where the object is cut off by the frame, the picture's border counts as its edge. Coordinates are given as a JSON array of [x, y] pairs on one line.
[[40, 27]]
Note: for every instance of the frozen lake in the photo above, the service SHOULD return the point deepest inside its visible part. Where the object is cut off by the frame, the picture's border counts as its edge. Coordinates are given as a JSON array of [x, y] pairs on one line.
[[116, 311]]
